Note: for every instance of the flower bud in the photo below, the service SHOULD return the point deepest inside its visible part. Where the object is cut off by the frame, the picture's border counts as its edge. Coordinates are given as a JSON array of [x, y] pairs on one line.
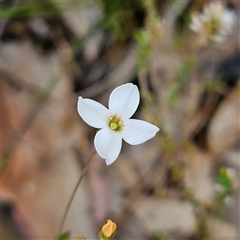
[[108, 230]]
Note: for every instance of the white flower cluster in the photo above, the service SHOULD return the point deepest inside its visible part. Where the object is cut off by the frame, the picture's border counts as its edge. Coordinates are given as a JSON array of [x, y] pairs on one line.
[[215, 22], [115, 123]]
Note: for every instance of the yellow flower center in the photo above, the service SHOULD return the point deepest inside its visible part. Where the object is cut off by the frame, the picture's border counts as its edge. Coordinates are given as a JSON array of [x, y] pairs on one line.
[[213, 26], [115, 123], [113, 126]]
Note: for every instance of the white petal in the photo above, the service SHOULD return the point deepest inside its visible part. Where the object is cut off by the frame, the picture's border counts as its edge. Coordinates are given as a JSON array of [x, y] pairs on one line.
[[196, 23], [108, 144], [228, 20], [92, 112], [138, 131], [124, 100]]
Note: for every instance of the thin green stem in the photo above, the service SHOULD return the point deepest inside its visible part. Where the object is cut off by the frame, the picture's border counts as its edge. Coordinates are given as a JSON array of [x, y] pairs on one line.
[[75, 190]]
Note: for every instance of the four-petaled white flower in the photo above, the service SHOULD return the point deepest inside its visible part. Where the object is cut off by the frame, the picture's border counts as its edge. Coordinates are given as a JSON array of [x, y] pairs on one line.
[[214, 23], [115, 123]]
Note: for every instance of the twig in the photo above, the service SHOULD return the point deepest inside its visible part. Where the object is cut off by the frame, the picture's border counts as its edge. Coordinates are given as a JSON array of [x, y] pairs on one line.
[[75, 190]]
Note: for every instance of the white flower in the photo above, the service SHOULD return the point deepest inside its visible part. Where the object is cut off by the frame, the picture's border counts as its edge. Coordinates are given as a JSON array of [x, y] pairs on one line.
[[115, 123], [214, 23]]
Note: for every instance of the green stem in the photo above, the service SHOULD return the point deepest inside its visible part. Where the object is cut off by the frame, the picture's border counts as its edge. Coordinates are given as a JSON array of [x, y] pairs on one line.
[[75, 190]]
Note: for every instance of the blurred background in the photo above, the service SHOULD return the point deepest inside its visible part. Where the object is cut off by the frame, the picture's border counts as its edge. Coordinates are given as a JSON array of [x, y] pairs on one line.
[[182, 184]]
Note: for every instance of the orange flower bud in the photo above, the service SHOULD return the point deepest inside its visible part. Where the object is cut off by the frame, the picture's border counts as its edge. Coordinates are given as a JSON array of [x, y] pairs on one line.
[[108, 230]]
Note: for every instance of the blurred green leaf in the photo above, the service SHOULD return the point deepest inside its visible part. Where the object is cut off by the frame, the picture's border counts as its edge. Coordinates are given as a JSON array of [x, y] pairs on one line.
[[119, 17], [224, 179], [142, 37], [188, 194], [32, 9], [144, 50], [158, 236], [184, 74], [171, 1], [212, 86], [227, 191], [202, 227], [181, 78], [5, 157], [64, 236]]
